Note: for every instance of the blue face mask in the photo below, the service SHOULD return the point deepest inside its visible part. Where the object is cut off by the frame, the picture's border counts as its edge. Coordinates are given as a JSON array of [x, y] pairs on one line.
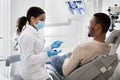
[[39, 25]]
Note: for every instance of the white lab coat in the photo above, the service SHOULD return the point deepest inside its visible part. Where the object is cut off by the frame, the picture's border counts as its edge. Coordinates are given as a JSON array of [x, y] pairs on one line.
[[33, 55]]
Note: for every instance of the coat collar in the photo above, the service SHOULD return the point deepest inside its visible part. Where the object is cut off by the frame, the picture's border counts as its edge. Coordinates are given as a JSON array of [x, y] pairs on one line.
[[31, 29]]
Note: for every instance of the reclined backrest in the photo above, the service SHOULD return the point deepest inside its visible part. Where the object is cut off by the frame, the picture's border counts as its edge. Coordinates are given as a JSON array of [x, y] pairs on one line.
[[99, 69], [116, 74]]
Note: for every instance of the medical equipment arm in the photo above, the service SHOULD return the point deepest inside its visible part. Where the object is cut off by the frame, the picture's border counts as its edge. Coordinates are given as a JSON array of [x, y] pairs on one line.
[[114, 13]]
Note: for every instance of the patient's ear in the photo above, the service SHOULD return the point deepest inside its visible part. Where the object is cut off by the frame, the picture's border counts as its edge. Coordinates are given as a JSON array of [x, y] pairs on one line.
[[98, 27]]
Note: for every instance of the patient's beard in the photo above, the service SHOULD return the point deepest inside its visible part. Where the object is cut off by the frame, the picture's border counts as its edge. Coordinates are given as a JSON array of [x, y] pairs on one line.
[[89, 35]]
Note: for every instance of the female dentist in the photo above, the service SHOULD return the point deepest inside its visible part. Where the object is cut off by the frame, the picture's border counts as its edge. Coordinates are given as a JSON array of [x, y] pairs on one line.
[[31, 45]]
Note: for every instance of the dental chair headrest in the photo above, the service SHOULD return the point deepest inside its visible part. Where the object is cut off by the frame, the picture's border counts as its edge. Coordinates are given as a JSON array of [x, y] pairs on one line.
[[114, 37], [114, 41]]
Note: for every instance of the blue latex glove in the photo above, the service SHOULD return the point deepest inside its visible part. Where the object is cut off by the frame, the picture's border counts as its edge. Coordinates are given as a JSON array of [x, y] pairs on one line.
[[56, 44], [53, 52]]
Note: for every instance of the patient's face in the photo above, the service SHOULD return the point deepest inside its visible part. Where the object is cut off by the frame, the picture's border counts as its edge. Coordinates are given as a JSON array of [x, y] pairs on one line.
[[91, 27]]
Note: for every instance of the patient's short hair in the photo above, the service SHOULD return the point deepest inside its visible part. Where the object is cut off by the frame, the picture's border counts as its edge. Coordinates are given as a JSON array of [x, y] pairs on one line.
[[104, 20]]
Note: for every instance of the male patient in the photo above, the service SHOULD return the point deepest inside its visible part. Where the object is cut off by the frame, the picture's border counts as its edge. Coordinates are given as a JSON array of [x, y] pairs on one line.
[[83, 53]]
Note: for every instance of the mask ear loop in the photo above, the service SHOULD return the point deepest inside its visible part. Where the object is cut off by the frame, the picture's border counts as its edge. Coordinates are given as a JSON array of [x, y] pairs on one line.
[[35, 27]]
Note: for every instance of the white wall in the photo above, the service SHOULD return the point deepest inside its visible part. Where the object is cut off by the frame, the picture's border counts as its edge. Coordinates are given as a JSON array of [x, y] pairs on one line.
[[4, 28], [56, 11]]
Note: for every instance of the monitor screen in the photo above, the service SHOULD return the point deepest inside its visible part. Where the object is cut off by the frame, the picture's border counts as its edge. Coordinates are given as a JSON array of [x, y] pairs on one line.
[[76, 7]]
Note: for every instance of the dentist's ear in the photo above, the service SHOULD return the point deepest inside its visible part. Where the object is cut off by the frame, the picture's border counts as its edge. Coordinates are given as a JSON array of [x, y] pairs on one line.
[[32, 18], [32, 21]]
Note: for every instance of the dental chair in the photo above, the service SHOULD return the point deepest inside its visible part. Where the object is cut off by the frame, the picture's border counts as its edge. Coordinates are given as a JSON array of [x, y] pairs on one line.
[[101, 68], [116, 74], [12, 62]]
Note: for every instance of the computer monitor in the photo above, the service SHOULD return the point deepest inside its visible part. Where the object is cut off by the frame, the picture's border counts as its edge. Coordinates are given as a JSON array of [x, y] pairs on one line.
[[76, 7]]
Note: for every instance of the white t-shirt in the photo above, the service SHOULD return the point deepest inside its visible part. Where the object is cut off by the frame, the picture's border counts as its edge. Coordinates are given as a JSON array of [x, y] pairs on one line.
[[83, 54]]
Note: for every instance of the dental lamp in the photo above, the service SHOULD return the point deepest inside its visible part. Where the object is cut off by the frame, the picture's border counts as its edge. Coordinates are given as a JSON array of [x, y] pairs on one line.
[[114, 13]]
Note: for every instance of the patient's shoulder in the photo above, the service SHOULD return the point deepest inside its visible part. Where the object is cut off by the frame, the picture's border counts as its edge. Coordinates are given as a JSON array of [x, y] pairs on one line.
[[91, 46], [87, 44], [82, 47]]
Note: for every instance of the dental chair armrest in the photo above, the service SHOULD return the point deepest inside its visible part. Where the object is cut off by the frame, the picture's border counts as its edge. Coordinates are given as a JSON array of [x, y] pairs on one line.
[[12, 58]]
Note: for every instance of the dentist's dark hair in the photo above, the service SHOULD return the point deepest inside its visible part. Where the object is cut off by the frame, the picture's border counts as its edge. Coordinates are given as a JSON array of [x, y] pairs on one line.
[[32, 12]]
